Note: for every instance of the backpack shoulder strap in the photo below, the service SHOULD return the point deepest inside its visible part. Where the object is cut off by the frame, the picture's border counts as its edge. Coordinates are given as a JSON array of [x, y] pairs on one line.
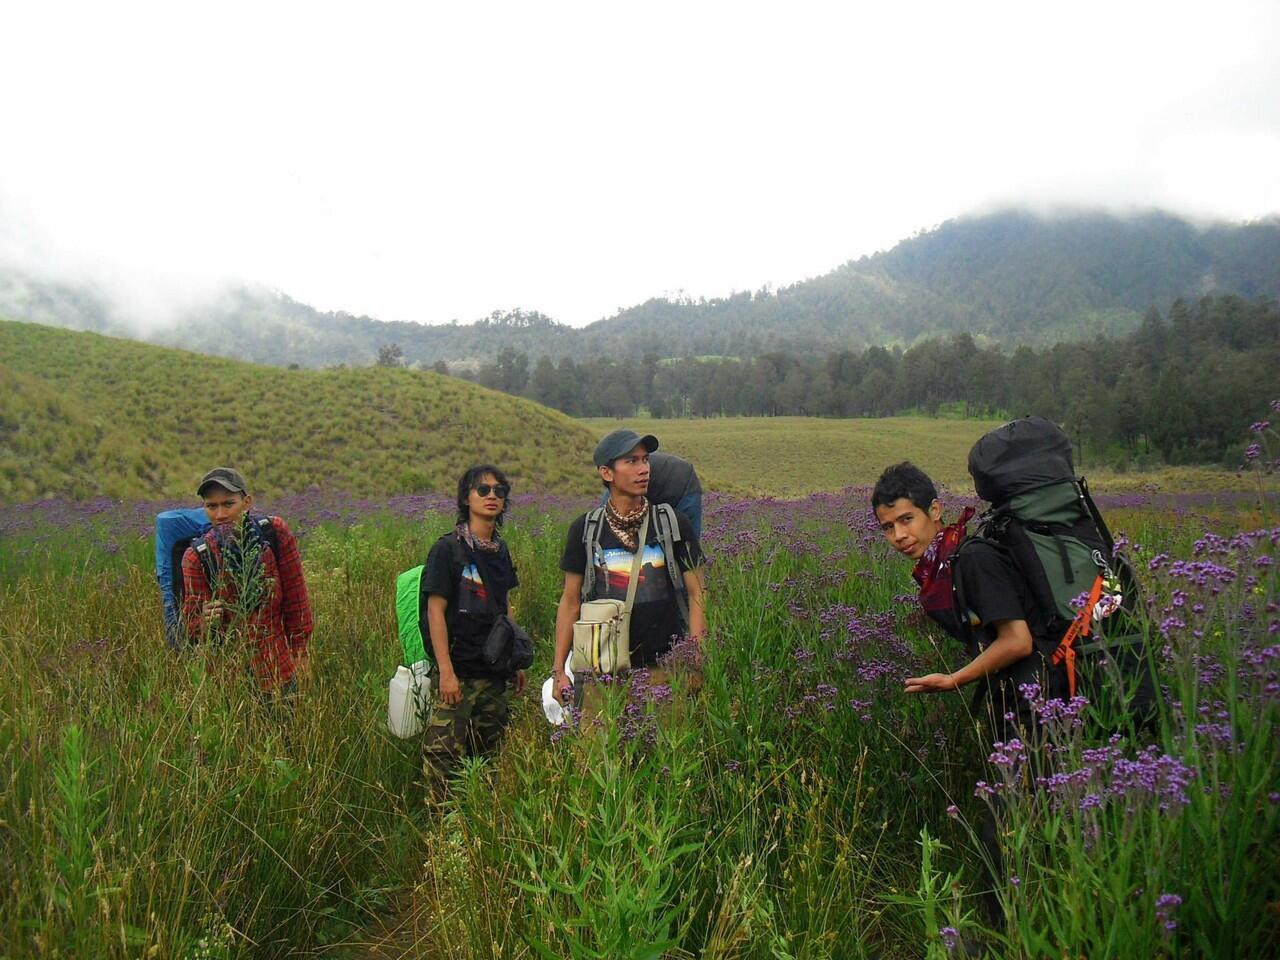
[[1082, 488], [267, 529], [964, 613], [668, 535], [666, 518], [204, 553], [591, 542], [457, 548]]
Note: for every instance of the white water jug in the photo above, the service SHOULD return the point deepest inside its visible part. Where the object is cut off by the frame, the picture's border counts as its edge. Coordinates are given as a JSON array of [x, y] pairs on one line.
[[408, 698]]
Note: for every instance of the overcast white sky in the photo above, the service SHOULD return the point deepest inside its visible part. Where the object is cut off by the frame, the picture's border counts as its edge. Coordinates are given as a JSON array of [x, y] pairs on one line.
[[424, 162]]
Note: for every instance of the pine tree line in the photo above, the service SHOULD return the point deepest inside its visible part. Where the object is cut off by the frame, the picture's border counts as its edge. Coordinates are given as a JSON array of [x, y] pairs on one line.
[[1175, 390]]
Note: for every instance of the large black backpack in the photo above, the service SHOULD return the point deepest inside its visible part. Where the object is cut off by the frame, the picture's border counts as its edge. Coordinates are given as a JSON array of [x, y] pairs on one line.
[[1044, 519]]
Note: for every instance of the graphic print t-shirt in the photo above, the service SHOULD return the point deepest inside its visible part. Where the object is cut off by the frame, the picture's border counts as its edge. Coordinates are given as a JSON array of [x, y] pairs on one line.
[[655, 615], [451, 572]]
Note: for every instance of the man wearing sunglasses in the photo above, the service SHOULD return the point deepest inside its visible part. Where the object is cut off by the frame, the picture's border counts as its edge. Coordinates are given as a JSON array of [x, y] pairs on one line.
[[464, 589]]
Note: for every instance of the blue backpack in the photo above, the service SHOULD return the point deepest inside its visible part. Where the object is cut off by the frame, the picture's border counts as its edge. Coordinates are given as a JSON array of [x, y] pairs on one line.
[[176, 530]]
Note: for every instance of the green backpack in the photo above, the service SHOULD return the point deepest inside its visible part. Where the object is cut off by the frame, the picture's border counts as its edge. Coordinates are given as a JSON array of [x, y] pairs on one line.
[[1043, 518], [408, 585], [408, 623]]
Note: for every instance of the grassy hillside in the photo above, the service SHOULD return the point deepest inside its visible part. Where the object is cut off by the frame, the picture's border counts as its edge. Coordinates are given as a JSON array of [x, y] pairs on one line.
[[792, 456], [82, 413]]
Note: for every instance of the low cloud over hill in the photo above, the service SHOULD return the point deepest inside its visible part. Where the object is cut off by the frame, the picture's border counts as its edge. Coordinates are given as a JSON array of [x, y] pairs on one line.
[[1007, 278]]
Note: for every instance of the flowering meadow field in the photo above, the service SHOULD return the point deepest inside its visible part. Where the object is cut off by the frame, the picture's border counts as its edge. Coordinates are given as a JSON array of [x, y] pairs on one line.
[[796, 456], [799, 806]]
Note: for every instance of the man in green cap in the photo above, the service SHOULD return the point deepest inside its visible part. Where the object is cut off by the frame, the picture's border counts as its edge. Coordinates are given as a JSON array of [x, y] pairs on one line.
[[243, 580], [600, 560]]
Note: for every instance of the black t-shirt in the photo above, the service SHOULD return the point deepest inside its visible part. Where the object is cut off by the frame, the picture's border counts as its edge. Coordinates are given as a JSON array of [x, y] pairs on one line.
[[453, 573], [655, 615], [994, 590]]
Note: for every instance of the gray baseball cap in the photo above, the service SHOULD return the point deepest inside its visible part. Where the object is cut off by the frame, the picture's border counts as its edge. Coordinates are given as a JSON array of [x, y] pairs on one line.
[[225, 477], [620, 443]]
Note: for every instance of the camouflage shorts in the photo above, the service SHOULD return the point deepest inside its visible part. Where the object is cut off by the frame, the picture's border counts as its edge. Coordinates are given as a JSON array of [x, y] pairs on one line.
[[471, 727]]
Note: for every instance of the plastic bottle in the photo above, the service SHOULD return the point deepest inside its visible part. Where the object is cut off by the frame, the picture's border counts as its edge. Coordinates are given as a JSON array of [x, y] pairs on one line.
[[408, 697]]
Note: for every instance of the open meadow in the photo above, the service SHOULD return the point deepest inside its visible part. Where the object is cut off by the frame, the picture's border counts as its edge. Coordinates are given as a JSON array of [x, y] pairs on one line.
[[792, 456], [799, 807]]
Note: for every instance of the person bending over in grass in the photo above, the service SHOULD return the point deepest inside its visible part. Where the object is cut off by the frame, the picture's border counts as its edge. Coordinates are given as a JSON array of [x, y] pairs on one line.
[[465, 586], [1004, 621], [668, 598], [243, 581]]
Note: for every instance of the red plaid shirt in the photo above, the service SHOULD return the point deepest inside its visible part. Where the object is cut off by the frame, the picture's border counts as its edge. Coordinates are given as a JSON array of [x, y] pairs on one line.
[[280, 627]]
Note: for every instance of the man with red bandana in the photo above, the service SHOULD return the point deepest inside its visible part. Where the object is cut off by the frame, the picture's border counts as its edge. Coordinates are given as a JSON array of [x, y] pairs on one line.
[[1002, 616], [1003, 621]]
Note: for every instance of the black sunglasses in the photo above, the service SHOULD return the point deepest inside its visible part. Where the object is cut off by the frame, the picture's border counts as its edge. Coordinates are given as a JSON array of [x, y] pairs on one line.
[[500, 490]]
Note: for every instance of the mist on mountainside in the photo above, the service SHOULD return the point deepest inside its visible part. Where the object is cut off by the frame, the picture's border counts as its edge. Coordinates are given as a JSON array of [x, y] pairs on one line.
[[1008, 278]]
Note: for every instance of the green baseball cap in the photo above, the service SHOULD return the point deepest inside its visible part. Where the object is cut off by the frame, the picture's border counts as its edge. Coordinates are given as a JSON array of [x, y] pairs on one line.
[[620, 443], [225, 477]]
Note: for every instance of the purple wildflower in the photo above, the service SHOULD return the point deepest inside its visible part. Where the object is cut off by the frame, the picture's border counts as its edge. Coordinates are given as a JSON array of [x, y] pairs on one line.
[[1160, 776], [1166, 903], [1008, 755]]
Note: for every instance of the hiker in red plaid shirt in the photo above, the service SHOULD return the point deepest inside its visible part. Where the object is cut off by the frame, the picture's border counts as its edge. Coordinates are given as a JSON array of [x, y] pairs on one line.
[[258, 595]]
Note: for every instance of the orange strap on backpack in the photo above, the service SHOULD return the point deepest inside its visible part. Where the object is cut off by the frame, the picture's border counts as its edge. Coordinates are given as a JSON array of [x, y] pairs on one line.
[[1080, 627]]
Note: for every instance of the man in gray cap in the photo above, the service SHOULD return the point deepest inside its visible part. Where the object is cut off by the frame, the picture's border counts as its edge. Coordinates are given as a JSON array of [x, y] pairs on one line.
[[243, 580], [600, 560]]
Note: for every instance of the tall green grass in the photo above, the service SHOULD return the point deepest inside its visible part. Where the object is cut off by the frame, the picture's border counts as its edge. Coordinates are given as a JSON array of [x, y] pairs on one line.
[[797, 807]]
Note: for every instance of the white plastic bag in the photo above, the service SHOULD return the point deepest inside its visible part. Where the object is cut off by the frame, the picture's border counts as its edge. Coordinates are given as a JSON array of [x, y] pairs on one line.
[[550, 706]]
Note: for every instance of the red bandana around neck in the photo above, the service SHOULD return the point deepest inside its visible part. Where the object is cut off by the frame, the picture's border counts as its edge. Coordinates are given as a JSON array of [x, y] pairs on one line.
[[933, 570]]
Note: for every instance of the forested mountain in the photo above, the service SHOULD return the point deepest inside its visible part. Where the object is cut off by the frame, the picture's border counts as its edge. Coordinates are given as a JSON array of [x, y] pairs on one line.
[[1007, 279], [1011, 278]]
